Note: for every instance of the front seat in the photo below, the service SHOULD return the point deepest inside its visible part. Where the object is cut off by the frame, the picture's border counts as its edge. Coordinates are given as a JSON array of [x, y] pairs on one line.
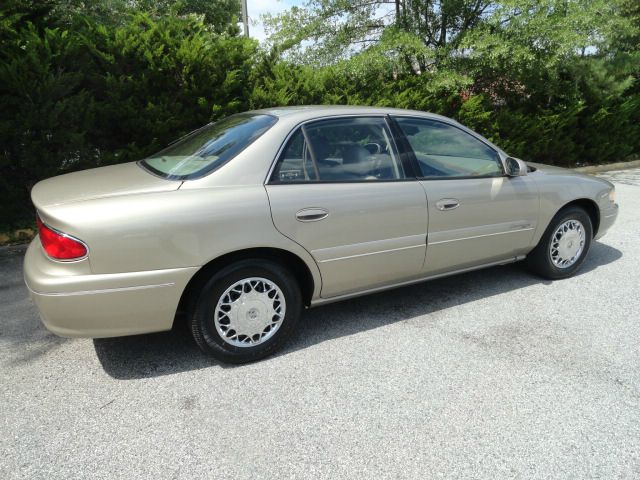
[[355, 154]]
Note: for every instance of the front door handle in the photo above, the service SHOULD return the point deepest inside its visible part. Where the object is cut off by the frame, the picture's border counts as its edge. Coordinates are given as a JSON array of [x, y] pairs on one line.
[[447, 204], [311, 214]]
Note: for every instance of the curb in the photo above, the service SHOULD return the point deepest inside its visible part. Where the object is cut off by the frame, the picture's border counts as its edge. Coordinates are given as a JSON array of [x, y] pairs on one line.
[[608, 167]]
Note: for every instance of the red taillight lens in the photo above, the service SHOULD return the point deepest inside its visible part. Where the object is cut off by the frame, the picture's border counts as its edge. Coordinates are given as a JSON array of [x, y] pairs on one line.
[[58, 245]]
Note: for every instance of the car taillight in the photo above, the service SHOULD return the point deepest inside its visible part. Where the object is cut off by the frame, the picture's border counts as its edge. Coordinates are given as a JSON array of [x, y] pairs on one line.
[[59, 245]]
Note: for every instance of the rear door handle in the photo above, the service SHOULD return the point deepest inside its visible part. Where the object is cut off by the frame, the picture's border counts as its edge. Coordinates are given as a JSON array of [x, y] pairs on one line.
[[311, 214], [447, 204]]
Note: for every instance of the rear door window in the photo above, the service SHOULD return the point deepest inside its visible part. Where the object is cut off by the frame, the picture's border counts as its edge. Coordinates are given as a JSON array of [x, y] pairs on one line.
[[350, 149]]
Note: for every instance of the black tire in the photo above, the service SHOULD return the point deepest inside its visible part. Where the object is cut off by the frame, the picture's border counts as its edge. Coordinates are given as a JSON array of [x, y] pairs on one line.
[[202, 318], [539, 260]]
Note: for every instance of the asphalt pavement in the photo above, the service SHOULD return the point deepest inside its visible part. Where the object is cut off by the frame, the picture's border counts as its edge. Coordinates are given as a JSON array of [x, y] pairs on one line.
[[493, 374]]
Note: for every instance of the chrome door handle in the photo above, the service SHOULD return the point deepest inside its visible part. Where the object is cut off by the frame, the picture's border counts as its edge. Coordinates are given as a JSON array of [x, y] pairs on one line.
[[447, 204], [311, 214]]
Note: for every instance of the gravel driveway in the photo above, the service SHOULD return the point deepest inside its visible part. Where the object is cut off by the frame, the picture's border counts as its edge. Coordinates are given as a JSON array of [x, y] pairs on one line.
[[493, 374]]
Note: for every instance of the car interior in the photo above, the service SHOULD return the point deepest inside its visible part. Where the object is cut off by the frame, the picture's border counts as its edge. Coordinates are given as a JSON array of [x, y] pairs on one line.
[[342, 152]]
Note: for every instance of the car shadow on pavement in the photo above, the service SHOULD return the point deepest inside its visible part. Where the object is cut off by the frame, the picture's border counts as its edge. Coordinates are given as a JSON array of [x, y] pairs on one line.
[[152, 355]]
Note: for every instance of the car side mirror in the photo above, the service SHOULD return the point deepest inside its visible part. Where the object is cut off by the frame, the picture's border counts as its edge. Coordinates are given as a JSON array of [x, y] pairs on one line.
[[516, 167]]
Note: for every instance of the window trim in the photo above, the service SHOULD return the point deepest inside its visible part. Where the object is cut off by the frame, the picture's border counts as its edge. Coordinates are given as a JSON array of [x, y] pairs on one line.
[[416, 163], [407, 156], [309, 147], [409, 174]]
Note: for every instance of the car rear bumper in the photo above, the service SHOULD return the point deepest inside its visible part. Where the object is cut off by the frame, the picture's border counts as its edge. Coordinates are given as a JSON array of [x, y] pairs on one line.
[[105, 305], [607, 219]]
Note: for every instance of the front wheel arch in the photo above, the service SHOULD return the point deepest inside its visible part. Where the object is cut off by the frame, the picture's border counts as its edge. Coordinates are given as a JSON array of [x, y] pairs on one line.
[[589, 206]]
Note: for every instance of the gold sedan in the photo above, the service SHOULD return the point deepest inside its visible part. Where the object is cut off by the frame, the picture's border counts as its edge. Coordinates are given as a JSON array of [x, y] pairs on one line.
[[247, 221]]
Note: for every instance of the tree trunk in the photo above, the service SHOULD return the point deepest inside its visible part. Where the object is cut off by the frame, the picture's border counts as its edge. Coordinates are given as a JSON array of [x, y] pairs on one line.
[[443, 30]]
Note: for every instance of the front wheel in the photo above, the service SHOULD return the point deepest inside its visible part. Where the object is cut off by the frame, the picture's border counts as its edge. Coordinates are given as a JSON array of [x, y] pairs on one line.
[[564, 245], [246, 311]]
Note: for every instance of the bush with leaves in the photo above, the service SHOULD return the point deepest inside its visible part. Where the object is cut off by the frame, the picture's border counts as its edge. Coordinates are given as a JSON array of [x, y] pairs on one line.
[[89, 94]]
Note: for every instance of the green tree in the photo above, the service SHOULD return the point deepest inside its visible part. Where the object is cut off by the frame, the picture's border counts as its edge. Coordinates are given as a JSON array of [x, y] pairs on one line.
[[418, 29], [221, 15]]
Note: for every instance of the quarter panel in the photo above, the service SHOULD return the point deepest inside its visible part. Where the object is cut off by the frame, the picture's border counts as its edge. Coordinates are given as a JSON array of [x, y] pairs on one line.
[[184, 228], [105, 305]]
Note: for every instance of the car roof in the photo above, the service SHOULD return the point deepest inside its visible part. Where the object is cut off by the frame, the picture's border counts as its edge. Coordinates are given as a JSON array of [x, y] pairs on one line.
[[307, 112]]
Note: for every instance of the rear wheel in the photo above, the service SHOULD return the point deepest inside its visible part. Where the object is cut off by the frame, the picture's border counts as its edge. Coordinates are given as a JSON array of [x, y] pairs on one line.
[[246, 311], [564, 245]]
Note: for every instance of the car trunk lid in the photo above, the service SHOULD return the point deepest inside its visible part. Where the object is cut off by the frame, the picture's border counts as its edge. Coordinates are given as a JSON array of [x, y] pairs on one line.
[[111, 181]]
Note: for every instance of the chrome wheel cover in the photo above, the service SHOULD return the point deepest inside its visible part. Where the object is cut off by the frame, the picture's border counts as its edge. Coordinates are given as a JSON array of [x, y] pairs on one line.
[[567, 244], [249, 312]]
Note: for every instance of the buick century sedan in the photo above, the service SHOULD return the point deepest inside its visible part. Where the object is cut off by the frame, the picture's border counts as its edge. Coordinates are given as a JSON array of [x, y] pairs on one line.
[[247, 221]]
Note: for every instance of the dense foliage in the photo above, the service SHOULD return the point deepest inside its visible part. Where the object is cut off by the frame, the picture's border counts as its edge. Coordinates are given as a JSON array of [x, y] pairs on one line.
[[85, 84]]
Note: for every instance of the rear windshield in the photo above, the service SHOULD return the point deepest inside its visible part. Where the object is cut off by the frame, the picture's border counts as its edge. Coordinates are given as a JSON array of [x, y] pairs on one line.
[[208, 148]]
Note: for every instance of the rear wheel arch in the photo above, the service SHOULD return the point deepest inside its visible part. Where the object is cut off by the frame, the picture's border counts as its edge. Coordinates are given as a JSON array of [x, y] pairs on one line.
[[291, 261]]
